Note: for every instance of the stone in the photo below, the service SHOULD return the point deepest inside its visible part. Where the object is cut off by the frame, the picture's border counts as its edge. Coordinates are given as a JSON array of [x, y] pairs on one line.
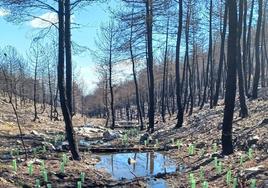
[[144, 137], [49, 146], [109, 135]]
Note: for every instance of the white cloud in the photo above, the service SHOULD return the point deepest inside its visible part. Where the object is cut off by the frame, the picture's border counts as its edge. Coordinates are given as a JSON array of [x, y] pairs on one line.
[[123, 70], [45, 20], [90, 76], [4, 12]]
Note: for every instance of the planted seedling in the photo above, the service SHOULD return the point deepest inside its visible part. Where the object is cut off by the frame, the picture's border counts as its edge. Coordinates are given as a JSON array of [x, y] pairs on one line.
[[14, 165], [205, 184], [191, 149], [44, 149], [30, 169], [202, 153], [215, 148], [215, 162], [181, 168], [234, 182], [192, 181], [37, 183], [82, 177], [178, 143], [219, 167], [126, 138], [45, 176], [156, 143], [172, 141], [250, 153], [62, 170], [17, 152], [241, 160], [64, 159], [79, 184], [202, 174], [253, 183], [145, 143], [12, 152], [34, 151], [228, 177], [42, 165]]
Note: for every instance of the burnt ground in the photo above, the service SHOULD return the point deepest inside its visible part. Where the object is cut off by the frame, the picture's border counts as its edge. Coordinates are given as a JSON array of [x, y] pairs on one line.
[[202, 129]]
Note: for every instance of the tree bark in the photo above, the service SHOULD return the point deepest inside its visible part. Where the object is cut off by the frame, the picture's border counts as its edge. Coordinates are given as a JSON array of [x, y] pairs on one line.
[[68, 54], [177, 62], [70, 133], [249, 61], [242, 100], [164, 79], [227, 144], [223, 34], [149, 26], [257, 54]]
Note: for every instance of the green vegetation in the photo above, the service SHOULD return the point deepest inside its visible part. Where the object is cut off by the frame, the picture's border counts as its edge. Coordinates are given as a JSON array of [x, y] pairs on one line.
[[82, 177], [229, 177], [191, 149], [79, 184], [253, 183], [30, 169], [14, 165]]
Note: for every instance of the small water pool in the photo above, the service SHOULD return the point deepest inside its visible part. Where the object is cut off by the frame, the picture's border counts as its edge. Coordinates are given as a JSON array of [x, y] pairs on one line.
[[147, 164]]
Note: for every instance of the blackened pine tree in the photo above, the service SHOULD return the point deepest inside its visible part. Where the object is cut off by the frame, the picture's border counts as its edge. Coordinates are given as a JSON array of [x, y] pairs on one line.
[[70, 133], [227, 144], [177, 61], [257, 54]]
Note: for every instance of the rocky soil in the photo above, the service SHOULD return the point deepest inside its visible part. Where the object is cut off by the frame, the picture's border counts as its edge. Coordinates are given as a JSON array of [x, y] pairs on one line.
[[45, 141]]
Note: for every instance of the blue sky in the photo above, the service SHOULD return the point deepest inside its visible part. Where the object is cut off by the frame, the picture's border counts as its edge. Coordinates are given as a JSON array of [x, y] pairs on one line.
[[90, 19]]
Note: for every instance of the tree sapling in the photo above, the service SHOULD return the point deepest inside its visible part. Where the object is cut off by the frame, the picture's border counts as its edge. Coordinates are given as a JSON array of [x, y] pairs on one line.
[[253, 183], [205, 184], [228, 177], [82, 177], [37, 183], [62, 168], [79, 184], [14, 165], [30, 169]]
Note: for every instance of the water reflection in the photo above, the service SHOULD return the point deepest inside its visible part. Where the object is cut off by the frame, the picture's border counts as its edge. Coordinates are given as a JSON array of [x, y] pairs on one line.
[[146, 164]]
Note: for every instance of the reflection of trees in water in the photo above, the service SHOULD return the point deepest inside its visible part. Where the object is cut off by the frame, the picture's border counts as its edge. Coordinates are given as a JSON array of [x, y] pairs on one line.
[[134, 164], [147, 160], [112, 163], [146, 164], [151, 163]]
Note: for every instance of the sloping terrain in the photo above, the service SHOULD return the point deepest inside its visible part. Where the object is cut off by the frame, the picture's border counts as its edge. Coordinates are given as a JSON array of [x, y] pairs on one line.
[[201, 133]]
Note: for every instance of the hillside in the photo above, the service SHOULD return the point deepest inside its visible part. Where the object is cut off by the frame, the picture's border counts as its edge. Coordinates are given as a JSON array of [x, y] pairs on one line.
[[201, 130]]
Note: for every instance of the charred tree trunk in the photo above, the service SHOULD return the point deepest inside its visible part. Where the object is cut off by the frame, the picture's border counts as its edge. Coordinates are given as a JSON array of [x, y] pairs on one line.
[[35, 91], [70, 134], [223, 34], [149, 26], [209, 61], [227, 144], [177, 62], [68, 54], [163, 96], [263, 49], [257, 54], [249, 61], [242, 100], [244, 64]]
